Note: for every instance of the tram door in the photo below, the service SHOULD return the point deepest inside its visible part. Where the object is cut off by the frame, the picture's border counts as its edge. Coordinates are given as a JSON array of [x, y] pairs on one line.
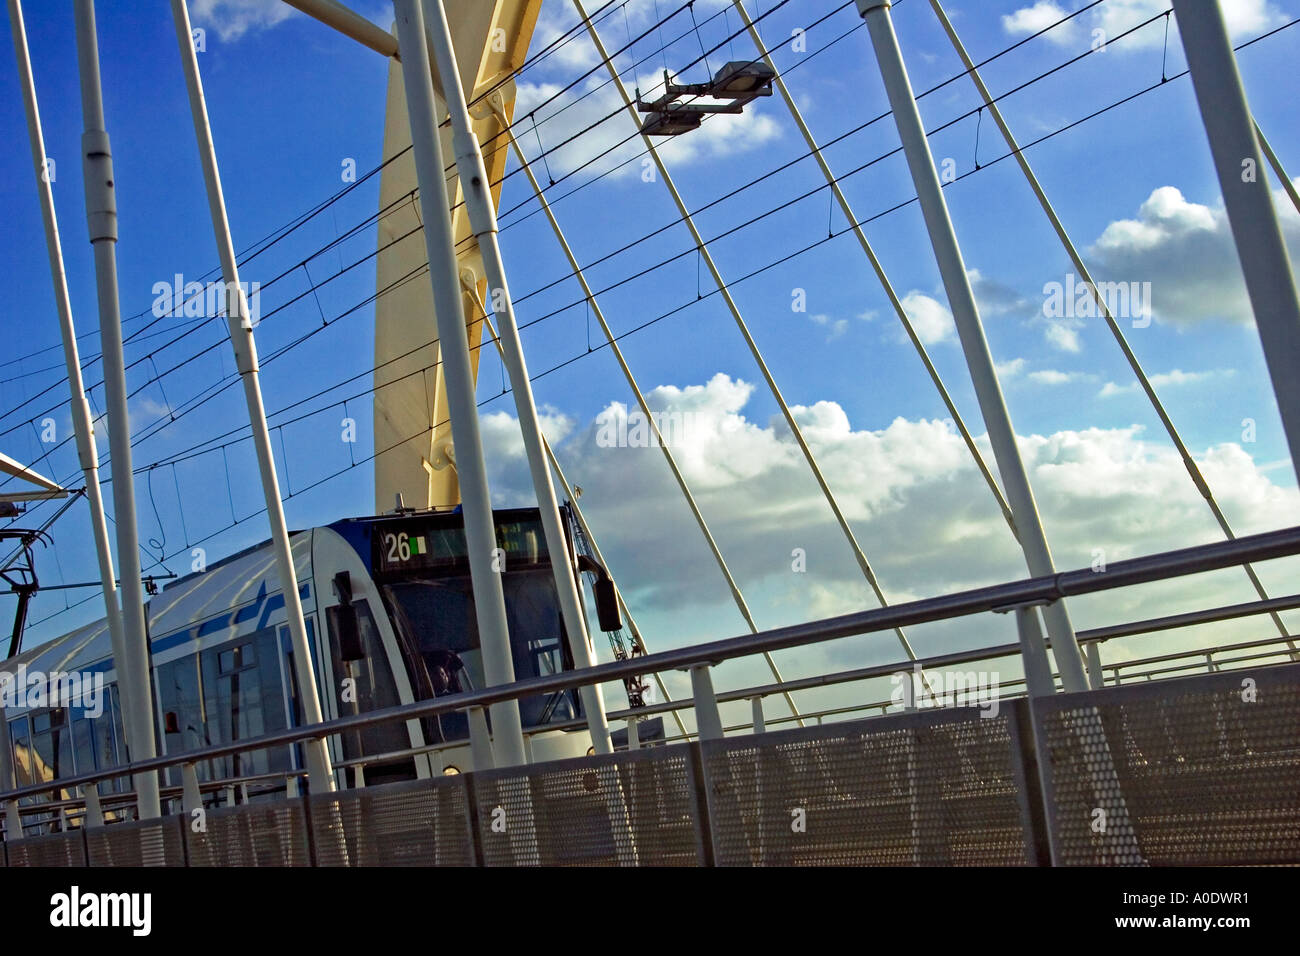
[[289, 680], [363, 682]]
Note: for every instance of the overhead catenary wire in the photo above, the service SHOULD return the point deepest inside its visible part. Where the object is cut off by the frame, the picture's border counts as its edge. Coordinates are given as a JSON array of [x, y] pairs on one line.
[[282, 233], [807, 248], [389, 209]]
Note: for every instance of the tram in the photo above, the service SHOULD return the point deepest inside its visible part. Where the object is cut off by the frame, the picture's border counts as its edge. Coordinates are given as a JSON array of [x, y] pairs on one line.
[[390, 619]]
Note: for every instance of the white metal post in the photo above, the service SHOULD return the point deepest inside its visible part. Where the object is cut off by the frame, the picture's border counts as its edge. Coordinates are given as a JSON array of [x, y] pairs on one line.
[[708, 721], [1033, 654], [82, 423], [476, 185], [101, 217], [191, 795], [1248, 200], [240, 323], [94, 812], [480, 741], [480, 530], [1096, 675], [961, 299]]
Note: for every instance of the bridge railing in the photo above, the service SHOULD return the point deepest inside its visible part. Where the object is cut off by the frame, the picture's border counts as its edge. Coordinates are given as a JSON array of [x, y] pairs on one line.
[[950, 785]]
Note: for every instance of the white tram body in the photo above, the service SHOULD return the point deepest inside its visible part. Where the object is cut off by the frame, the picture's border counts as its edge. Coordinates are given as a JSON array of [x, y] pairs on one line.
[[222, 667]]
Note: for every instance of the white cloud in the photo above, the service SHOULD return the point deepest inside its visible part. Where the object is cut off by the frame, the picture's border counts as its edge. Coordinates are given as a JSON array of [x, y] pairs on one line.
[[930, 317], [1010, 369], [1063, 334], [1185, 250], [1172, 378], [834, 327], [917, 505], [1029, 20], [1244, 18], [1051, 376], [233, 18]]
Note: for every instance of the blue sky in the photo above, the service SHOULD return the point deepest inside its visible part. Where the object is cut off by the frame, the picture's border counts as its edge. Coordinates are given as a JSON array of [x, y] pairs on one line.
[[291, 102]]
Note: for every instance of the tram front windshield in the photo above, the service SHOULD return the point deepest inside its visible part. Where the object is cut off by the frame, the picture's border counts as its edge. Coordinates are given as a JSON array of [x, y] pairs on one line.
[[435, 617]]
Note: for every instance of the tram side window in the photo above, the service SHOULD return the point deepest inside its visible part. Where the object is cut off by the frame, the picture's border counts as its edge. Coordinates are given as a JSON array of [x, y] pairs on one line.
[[27, 769], [244, 698], [20, 738], [180, 696], [51, 744], [365, 685], [83, 743], [110, 741]]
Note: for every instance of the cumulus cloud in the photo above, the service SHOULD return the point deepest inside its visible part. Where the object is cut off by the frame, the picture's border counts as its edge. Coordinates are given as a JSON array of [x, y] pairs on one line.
[[916, 502], [1185, 250], [1051, 376], [1010, 369], [930, 317], [1030, 20], [1063, 334], [1244, 18]]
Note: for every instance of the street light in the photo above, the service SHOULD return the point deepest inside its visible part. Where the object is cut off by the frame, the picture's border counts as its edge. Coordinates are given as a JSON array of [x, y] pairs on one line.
[[739, 82]]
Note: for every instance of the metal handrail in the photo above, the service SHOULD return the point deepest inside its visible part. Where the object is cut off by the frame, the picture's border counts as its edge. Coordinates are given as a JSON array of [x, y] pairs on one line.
[[999, 597]]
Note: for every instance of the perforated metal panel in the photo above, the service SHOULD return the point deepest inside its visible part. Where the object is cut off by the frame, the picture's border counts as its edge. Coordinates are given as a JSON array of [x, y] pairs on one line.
[[55, 849], [420, 823], [258, 834], [1198, 770], [146, 843], [941, 788], [624, 809]]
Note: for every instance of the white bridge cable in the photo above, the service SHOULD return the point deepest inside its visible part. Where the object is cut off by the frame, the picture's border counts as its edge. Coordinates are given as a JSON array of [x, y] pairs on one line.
[[689, 222], [1193, 470]]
